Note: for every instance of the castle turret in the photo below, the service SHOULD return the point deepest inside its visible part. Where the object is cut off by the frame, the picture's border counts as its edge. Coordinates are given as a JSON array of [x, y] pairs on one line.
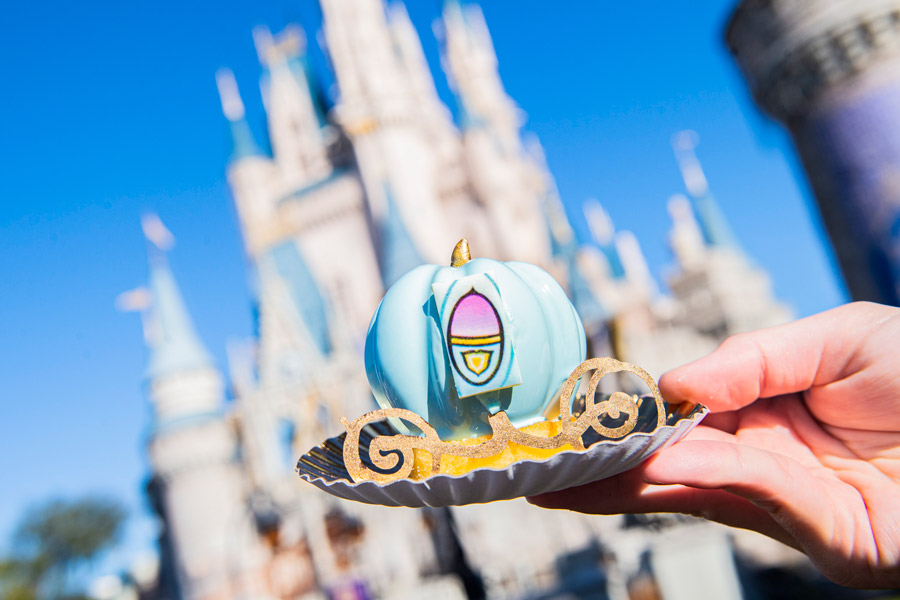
[[501, 172], [364, 59], [175, 348], [569, 255], [251, 174], [193, 453], [397, 253], [594, 315], [635, 267], [471, 66], [713, 225], [295, 121], [377, 107], [685, 239], [435, 117], [604, 233], [719, 289], [830, 72]]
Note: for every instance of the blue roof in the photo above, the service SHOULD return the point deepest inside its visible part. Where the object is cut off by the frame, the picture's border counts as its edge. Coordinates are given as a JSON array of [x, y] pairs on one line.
[[557, 224], [566, 249], [616, 270], [184, 421], [397, 253], [243, 143], [560, 248], [176, 347], [586, 302], [299, 193], [304, 291], [300, 66], [713, 224]]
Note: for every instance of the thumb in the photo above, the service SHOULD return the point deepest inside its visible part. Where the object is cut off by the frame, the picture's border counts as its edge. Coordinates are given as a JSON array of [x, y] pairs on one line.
[[778, 360]]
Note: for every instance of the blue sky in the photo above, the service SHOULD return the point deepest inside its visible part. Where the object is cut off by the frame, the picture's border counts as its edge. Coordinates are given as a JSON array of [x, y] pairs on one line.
[[109, 109]]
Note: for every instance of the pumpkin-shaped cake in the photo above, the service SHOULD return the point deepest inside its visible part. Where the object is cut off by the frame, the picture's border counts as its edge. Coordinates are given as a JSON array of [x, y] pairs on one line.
[[457, 344]]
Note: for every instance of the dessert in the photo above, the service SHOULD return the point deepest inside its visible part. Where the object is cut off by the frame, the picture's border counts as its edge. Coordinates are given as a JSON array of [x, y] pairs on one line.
[[455, 344], [476, 368]]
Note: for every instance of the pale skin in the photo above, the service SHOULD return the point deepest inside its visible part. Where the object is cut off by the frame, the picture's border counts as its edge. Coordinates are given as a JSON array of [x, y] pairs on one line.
[[803, 444]]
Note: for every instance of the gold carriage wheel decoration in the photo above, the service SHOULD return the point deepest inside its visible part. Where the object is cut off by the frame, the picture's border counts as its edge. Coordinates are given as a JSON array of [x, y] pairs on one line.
[[394, 455]]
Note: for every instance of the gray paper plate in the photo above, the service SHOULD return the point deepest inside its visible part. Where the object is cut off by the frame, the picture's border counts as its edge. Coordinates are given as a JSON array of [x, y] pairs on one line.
[[323, 466]]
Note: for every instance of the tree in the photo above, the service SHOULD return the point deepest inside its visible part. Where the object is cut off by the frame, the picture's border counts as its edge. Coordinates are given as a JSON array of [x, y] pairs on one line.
[[52, 540]]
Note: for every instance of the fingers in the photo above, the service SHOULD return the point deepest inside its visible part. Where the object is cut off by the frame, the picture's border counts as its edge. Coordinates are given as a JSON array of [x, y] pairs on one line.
[[629, 493], [778, 360], [725, 482], [800, 503]]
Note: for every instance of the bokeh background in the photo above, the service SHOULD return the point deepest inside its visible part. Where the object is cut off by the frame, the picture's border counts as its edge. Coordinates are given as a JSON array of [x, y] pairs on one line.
[[110, 110]]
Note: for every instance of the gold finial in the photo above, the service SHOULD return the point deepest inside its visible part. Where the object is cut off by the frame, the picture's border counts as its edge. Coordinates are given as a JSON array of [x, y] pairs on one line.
[[461, 254]]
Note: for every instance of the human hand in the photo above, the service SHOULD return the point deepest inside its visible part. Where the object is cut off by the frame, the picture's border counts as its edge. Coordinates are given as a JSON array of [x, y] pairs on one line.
[[803, 444]]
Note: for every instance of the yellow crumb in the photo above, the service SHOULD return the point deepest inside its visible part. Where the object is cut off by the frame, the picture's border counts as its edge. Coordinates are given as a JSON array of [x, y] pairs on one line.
[[457, 465]]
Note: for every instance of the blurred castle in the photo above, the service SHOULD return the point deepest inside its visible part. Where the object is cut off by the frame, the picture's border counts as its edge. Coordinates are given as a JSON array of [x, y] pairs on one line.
[[353, 195], [829, 70]]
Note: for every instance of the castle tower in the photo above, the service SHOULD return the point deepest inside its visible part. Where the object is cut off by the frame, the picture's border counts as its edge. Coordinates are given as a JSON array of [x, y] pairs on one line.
[[462, 213], [295, 121], [434, 115], [830, 72], [193, 455], [602, 230], [304, 218], [471, 66], [377, 109], [714, 227], [502, 175], [720, 291], [252, 176], [685, 238]]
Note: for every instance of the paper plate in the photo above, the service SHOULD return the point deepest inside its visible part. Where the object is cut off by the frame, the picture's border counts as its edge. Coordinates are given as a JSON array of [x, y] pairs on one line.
[[324, 466]]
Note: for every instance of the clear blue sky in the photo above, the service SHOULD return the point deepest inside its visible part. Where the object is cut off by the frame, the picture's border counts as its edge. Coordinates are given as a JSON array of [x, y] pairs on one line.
[[110, 109]]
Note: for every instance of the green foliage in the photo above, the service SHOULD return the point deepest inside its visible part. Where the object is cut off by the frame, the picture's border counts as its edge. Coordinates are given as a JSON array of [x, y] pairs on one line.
[[69, 531], [19, 579], [54, 538]]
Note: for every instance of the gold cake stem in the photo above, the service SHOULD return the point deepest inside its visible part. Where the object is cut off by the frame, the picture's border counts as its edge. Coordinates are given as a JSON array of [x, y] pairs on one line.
[[461, 254]]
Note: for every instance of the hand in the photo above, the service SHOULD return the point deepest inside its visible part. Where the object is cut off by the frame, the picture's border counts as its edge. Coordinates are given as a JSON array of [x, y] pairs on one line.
[[803, 444]]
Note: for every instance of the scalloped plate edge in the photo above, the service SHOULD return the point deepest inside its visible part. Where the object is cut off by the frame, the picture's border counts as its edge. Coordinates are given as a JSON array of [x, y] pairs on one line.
[[524, 478]]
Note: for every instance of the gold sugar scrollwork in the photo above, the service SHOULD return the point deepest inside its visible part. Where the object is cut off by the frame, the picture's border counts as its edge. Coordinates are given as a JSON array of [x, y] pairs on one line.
[[393, 456]]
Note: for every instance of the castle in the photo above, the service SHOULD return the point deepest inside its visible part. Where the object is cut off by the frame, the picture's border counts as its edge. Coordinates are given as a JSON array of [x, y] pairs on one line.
[[354, 194]]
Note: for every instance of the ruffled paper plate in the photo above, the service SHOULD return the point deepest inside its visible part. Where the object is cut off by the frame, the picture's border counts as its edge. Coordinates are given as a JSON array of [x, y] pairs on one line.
[[324, 465]]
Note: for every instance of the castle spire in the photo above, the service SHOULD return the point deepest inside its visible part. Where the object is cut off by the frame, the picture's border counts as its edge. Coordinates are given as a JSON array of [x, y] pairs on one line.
[[635, 264], [562, 237], [398, 253], [243, 142], [452, 9], [421, 81], [564, 245], [603, 231], [365, 58], [173, 341], [470, 63], [715, 228], [685, 238], [294, 115], [304, 291], [592, 312]]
